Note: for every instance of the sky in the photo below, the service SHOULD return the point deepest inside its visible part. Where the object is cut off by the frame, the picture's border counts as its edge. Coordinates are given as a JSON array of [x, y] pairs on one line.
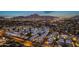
[[49, 13]]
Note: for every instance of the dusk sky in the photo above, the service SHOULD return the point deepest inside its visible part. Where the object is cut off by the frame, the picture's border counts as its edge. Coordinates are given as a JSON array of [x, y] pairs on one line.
[[50, 13]]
